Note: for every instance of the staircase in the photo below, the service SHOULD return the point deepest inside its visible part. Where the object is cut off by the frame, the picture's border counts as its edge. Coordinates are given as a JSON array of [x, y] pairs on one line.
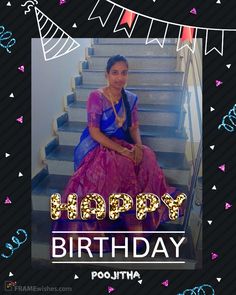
[[154, 78]]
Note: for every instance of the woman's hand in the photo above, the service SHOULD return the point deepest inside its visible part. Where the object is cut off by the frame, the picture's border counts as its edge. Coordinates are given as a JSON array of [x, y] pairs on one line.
[[138, 154], [128, 153]]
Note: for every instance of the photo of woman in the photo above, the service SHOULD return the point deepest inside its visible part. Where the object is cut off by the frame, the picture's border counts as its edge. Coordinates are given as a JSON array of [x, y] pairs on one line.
[[110, 157]]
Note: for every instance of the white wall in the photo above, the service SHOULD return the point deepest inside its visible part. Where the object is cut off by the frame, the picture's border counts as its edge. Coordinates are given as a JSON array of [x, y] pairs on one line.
[[51, 81]]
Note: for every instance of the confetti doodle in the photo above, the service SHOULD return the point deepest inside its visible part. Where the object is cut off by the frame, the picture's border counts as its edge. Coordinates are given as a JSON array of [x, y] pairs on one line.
[[199, 290], [16, 241], [218, 83], [193, 11], [165, 283], [6, 35], [110, 289], [222, 167], [231, 119], [214, 256], [31, 4], [20, 120], [7, 201], [227, 206], [21, 68]]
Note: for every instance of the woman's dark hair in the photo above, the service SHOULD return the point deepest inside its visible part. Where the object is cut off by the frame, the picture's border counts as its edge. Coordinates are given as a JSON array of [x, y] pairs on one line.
[[111, 61], [114, 59]]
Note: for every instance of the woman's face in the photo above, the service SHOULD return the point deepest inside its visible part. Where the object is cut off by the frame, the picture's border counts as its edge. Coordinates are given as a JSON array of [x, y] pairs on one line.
[[118, 75]]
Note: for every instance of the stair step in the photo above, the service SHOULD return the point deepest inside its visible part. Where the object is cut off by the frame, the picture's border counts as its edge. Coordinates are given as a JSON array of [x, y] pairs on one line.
[[129, 49], [147, 78], [140, 41], [163, 139], [160, 115], [136, 62], [167, 95], [174, 165]]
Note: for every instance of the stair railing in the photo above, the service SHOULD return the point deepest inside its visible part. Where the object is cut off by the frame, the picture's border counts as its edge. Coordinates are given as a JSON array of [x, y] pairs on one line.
[[191, 66]]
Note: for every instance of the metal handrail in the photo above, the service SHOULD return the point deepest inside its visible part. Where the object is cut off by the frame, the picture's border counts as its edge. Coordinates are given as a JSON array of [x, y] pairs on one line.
[[198, 159]]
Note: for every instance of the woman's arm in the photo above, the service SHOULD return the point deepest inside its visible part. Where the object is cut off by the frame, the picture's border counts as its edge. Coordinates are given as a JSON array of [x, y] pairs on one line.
[[135, 134]]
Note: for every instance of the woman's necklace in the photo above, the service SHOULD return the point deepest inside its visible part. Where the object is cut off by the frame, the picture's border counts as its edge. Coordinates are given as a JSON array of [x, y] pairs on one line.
[[119, 119]]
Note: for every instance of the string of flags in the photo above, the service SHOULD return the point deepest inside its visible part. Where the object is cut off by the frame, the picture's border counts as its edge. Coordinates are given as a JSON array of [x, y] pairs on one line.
[[127, 20]]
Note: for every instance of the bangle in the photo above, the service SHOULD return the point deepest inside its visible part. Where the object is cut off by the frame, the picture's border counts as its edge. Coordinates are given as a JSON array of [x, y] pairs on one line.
[[123, 150]]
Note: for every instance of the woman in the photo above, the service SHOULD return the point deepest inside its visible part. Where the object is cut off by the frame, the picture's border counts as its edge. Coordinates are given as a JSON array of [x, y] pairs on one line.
[[111, 158]]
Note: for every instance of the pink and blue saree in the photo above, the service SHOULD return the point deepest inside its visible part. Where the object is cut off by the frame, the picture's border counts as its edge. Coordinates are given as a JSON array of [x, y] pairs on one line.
[[104, 171]]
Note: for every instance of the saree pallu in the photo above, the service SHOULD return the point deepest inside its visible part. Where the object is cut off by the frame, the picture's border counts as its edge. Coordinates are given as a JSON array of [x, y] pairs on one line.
[[104, 171]]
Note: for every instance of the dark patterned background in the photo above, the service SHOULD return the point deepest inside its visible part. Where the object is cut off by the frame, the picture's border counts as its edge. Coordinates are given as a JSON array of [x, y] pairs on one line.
[[15, 139]]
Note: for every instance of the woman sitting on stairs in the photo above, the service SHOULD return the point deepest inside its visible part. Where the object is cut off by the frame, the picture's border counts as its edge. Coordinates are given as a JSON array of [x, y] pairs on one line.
[[110, 158]]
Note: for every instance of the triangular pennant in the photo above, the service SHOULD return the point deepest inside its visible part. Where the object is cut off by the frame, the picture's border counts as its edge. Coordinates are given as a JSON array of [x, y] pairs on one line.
[[214, 41], [218, 2], [212, 147], [8, 3], [11, 95], [10, 274], [53, 47], [76, 277], [74, 25], [157, 28], [126, 22], [189, 41], [212, 109], [103, 11], [209, 221], [7, 155], [228, 66], [218, 279], [214, 188]]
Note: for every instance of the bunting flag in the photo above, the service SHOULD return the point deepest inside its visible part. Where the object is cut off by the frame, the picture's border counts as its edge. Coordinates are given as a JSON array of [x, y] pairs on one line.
[[214, 41], [187, 34], [126, 22], [53, 47], [103, 12], [157, 28], [187, 38]]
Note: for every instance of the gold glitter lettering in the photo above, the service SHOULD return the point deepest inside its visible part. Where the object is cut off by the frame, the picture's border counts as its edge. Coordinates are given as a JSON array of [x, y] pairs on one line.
[[173, 205], [57, 206], [141, 204], [86, 210], [116, 208]]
